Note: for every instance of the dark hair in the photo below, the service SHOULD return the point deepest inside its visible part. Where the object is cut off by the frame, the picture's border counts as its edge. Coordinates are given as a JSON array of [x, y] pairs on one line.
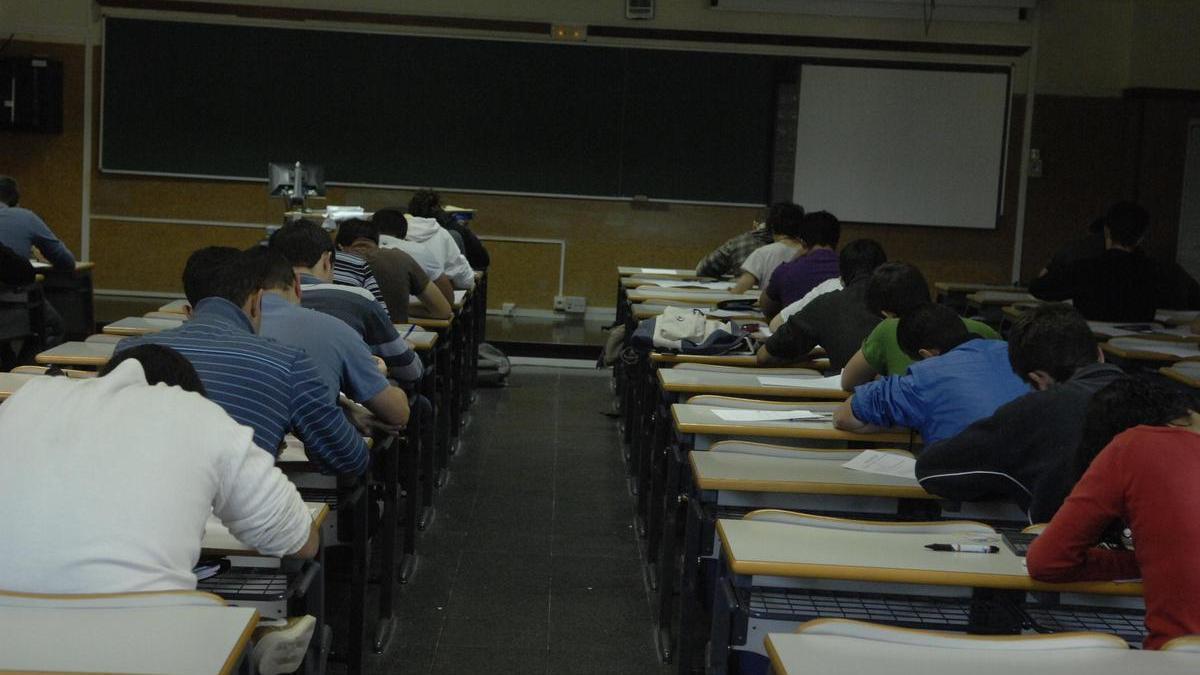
[[391, 221], [1127, 223], [9, 194], [160, 364], [820, 228], [859, 259], [930, 326], [302, 243], [896, 287], [271, 267], [1122, 405], [354, 229], [1052, 337], [784, 218], [425, 204], [206, 274]]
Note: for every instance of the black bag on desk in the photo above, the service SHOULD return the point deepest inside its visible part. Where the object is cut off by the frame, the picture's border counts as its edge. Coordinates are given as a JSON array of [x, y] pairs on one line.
[[493, 367]]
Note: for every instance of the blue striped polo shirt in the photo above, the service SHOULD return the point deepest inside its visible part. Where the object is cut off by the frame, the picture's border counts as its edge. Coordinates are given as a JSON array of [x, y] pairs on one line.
[[265, 385]]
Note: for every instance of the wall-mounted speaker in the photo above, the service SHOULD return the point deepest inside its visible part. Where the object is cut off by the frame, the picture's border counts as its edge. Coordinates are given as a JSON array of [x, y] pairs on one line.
[[31, 95]]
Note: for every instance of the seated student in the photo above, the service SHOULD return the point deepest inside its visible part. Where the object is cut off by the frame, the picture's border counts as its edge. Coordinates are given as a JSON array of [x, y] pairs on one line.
[[21, 230], [1024, 452], [894, 290], [428, 204], [1122, 284], [1084, 248], [310, 251], [956, 380], [727, 259], [15, 270], [399, 276], [114, 477], [437, 239], [270, 387], [784, 222], [1145, 478], [827, 286], [837, 321], [793, 280], [393, 228], [345, 363]]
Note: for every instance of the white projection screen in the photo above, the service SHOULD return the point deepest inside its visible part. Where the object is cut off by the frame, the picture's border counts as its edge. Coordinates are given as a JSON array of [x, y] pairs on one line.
[[902, 145]]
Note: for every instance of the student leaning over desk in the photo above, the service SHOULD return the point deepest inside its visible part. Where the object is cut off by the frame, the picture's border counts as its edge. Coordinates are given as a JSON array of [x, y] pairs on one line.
[[1145, 478]]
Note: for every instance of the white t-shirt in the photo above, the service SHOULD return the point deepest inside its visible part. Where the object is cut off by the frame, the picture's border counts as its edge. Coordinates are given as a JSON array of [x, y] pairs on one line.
[[764, 259], [430, 261], [107, 485], [827, 286]]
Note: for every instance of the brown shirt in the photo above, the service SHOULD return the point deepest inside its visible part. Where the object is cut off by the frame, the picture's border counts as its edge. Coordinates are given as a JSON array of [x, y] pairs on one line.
[[399, 276]]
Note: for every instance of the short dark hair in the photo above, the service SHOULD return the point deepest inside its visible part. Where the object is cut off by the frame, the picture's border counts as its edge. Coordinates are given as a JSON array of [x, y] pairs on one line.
[[896, 287], [204, 274], [391, 221], [1053, 338], [1127, 223], [425, 204], [302, 243], [271, 267], [1124, 404], [350, 231], [160, 364], [785, 218], [859, 259], [9, 194], [820, 228], [930, 326]]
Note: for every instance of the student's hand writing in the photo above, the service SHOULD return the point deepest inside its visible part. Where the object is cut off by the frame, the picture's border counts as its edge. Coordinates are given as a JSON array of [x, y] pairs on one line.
[[380, 365]]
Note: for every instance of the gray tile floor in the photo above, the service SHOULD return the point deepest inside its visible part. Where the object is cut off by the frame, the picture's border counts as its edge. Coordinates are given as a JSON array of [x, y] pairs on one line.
[[531, 564]]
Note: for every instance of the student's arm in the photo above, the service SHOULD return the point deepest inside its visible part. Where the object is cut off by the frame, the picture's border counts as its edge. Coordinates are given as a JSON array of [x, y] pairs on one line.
[[444, 285], [744, 282], [857, 371], [716, 263], [1056, 284], [769, 305], [434, 300], [976, 463], [328, 437], [794, 340], [1066, 550], [889, 402], [55, 252], [390, 406], [258, 504], [457, 267], [362, 382]]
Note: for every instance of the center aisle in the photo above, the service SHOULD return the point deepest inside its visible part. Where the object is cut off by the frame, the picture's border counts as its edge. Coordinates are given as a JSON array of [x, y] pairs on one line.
[[531, 564]]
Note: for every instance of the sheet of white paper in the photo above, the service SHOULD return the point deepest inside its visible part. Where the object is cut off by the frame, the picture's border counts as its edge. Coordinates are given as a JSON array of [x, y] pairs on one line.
[[1179, 349], [740, 415], [727, 313], [884, 464], [831, 382], [657, 270], [39, 265]]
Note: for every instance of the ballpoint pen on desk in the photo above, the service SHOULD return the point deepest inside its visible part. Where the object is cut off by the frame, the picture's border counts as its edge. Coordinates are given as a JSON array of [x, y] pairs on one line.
[[964, 548], [410, 330]]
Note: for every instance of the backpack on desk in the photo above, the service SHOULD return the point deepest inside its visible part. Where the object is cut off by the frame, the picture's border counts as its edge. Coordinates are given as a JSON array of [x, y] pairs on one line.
[[688, 331]]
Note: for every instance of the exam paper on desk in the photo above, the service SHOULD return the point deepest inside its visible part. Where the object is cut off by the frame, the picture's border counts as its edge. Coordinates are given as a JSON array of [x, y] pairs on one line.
[[741, 415], [884, 464], [657, 270], [831, 382]]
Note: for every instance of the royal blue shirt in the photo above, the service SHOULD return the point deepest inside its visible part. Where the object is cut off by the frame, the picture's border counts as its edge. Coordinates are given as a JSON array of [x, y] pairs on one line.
[[22, 229], [344, 362], [267, 386], [943, 395]]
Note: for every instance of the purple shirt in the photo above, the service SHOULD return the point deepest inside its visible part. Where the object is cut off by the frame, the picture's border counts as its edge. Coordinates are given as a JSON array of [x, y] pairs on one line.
[[793, 280]]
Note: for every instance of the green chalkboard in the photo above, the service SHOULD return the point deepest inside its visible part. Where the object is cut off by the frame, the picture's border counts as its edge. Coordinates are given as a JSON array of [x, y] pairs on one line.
[[529, 117]]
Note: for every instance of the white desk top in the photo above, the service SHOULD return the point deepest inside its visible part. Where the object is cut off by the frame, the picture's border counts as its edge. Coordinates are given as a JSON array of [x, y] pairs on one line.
[[177, 639], [971, 287], [646, 310], [420, 339], [800, 472], [709, 284], [136, 325], [788, 550], [1112, 329], [663, 272], [793, 654], [700, 419], [1175, 317], [1000, 297], [77, 354], [11, 382], [218, 541], [701, 296], [746, 381], [1143, 349], [1187, 372], [460, 296], [174, 306]]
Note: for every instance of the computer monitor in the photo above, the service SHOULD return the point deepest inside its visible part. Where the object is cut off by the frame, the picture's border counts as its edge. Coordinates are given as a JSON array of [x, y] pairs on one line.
[[295, 181]]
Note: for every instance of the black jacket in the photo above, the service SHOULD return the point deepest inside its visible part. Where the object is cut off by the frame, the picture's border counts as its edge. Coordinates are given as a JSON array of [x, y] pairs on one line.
[[473, 248], [839, 321], [14, 270], [1117, 286], [1023, 453]]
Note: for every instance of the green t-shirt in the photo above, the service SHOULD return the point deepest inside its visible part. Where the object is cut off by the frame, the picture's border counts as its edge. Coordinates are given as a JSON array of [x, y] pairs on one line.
[[883, 352]]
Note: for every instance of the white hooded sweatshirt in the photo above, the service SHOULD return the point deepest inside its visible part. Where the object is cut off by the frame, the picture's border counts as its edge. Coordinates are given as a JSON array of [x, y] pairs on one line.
[[437, 239]]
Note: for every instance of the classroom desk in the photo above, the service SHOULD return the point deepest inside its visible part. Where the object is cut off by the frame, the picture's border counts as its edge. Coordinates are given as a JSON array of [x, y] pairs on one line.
[[1106, 330], [699, 296], [998, 298], [802, 654], [662, 272], [649, 310], [419, 339], [1184, 372], [702, 422], [136, 325], [1135, 350], [70, 292], [1176, 317], [172, 639], [967, 287], [745, 382], [816, 360], [699, 283], [91, 354], [174, 306]]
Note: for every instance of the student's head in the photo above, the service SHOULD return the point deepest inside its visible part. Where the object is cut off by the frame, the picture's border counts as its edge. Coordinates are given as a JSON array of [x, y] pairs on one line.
[[1122, 405], [391, 221], [930, 330], [224, 272], [8, 191], [356, 233], [425, 204], [859, 259], [1126, 224], [783, 220], [275, 271], [307, 247], [1049, 343], [896, 288], [820, 228], [160, 364]]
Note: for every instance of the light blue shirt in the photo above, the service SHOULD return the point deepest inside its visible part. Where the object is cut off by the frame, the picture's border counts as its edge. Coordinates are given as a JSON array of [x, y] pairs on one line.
[[22, 229], [343, 360], [941, 396]]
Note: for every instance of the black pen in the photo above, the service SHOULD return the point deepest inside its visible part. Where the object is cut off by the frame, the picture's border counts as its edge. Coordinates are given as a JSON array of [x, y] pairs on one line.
[[964, 548]]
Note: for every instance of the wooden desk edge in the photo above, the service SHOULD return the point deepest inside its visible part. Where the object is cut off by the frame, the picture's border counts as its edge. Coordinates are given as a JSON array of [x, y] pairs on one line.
[[1169, 372], [234, 656], [779, 432]]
